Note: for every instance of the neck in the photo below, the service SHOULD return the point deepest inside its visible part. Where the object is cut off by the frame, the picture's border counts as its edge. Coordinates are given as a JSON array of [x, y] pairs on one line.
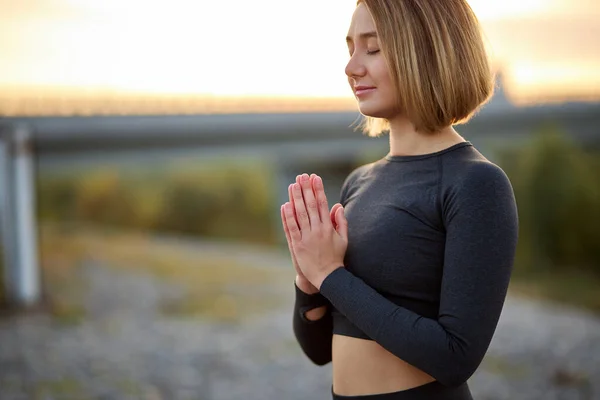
[[405, 140]]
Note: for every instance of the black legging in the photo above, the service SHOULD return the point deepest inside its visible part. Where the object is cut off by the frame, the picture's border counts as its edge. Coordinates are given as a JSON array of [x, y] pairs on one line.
[[430, 391]]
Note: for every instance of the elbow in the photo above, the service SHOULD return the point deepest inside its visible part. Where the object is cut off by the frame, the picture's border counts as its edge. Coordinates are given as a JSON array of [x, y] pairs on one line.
[[319, 359], [314, 340], [453, 378], [318, 353], [457, 361], [456, 372]]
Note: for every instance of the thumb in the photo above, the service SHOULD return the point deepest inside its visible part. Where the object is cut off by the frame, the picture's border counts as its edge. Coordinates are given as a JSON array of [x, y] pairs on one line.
[[342, 223], [333, 213]]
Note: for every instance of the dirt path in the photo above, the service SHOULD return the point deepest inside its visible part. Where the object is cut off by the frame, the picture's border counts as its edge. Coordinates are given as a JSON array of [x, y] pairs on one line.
[[126, 347]]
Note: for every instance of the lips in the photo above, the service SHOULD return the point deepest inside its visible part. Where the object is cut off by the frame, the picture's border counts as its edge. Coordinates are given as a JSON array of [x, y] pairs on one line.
[[363, 90]]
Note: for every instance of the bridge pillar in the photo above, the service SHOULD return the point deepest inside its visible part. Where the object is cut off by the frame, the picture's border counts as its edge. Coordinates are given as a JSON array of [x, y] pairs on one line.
[[17, 214]]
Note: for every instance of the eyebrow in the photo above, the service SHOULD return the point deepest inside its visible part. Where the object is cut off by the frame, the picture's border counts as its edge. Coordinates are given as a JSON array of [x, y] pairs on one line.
[[364, 35]]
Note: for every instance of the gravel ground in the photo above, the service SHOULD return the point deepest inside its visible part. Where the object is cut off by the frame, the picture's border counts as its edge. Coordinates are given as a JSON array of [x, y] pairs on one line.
[[125, 349]]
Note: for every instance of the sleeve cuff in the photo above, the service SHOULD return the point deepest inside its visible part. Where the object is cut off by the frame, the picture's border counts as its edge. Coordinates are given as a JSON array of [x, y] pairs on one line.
[[336, 279], [306, 302]]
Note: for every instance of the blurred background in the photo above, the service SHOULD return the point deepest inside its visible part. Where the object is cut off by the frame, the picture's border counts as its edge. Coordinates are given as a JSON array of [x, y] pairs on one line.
[[145, 149]]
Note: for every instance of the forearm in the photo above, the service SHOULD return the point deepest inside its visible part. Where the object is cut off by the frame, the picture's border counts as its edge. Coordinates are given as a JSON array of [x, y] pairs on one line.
[[313, 326], [422, 342]]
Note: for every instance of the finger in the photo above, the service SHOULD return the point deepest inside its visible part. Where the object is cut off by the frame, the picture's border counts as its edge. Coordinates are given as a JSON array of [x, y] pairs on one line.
[[301, 212], [323, 212], [342, 222], [292, 224], [309, 200], [332, 214], [285, 228], [312, 182], [321, 200], [291, 195], [289, 240]]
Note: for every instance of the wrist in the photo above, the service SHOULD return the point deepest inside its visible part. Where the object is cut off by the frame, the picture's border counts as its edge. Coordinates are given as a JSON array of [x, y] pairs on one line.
[[304, 285], [319, 281]]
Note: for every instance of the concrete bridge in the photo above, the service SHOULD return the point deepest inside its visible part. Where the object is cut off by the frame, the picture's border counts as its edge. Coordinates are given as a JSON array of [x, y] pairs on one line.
[[293, 142]]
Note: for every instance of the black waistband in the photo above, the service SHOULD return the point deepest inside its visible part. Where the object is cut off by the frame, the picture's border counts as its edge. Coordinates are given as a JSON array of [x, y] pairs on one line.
[[429, 391]]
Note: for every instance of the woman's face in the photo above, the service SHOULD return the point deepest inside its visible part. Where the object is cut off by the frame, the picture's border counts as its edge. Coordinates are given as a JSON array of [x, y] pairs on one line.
[[367, 70]]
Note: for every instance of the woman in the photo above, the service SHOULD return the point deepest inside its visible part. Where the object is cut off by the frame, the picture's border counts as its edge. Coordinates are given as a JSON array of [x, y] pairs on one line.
[[402, 283]]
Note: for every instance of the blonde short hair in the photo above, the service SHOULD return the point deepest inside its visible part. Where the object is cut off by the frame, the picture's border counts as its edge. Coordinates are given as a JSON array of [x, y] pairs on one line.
[[437, 60]]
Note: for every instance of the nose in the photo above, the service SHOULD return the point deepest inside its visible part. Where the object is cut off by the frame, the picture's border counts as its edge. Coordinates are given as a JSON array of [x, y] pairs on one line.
[[355, 67]]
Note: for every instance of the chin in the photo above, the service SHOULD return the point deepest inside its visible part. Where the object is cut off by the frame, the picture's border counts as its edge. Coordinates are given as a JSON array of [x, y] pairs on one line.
[[372, 109]]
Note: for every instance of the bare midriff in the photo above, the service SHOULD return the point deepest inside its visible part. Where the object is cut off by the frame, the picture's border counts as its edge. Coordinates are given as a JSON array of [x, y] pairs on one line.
[[363, 367]]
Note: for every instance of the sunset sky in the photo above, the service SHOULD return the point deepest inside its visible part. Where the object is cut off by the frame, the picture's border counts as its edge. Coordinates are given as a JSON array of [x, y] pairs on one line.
[[266, 47]]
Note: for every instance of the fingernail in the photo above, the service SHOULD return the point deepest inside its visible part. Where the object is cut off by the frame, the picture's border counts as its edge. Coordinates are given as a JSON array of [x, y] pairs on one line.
[[304, 177]]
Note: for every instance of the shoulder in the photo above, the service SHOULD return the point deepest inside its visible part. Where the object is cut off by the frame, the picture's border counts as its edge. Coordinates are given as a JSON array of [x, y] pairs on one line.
[[473, 184], [471, 174], [356, 173], [479, 175], [352, 179]]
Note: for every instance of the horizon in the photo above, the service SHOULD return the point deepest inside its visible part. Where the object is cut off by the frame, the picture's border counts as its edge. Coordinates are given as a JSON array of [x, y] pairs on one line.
[[85, 48]]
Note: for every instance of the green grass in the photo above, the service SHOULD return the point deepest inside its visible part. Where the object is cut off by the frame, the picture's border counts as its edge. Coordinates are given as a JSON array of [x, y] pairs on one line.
[[66, 313], [214, 286], [63, 388], [504, 367]]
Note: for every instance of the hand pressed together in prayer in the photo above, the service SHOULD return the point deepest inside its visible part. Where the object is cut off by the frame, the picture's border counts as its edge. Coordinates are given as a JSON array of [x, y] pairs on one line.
[[317, 238]]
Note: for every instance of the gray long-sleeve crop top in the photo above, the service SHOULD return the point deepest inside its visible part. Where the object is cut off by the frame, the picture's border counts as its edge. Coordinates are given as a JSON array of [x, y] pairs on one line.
[[431, 245]]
